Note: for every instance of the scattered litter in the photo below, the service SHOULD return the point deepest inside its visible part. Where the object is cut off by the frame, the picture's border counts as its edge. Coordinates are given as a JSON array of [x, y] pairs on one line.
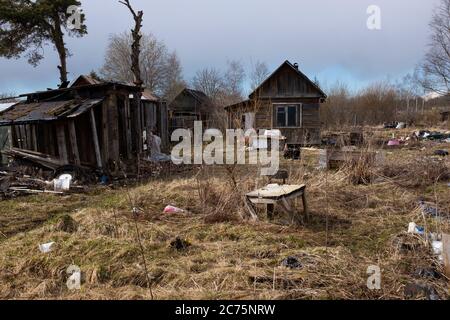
[[415, 229], [393, 142], [438, 249], [417, 290], [429, 135], [47, 247], [428, 273], [391, 125], [180, 245], [432, 211], [172, 209], [62, 183], [104, 180], [441, 153], [292, 263]]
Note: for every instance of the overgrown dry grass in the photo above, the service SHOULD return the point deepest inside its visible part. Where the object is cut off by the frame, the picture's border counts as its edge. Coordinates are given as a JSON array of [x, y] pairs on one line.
[[352, 227]]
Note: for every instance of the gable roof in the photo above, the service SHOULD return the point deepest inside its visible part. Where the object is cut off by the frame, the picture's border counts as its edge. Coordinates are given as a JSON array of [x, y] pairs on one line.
[[198, 95], [299, 73], [84, 80]]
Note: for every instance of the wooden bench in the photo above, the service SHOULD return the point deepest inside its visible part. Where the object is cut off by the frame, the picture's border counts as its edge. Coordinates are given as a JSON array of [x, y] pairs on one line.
[[276, 194]]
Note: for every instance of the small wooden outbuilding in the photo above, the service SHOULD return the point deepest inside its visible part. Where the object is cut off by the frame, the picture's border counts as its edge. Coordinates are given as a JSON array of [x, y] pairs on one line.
[[190, 106], [288, 101], [92, 124]]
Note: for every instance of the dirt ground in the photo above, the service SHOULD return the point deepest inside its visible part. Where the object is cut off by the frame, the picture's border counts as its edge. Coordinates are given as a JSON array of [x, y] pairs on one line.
[[352, 226]]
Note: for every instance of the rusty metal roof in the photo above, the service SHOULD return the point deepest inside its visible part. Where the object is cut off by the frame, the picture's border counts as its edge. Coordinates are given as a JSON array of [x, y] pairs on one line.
[[23, 113]]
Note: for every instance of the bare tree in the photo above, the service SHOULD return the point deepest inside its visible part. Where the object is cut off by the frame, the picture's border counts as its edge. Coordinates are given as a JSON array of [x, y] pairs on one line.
[[160, 70], [136, 45], [210, 81], [234, 81], [258, 74], [435, 69], [174, 77]]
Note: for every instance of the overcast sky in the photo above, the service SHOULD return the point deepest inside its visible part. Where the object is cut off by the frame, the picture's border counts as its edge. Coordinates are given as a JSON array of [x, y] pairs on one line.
[[328, 38]]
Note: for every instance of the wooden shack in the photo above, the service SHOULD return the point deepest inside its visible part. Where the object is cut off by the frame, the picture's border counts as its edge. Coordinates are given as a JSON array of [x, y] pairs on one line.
[[98, 125], [190, 106], [288, 101]]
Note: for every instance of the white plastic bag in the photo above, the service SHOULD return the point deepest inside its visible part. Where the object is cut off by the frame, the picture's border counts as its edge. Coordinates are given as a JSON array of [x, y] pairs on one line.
[[46, 247]]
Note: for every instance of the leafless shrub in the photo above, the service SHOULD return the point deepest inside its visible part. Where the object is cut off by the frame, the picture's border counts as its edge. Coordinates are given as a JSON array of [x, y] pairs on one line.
[[417, 172]]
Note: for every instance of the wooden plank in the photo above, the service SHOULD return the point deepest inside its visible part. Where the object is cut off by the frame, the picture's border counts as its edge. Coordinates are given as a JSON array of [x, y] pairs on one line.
[[164, 126], [127, 126], [34, 137], [105, 131], [138, 123], [98, 154], [148, 124], [62, 147], [114, 135], [74, 143], [251, 209], [22, 137]]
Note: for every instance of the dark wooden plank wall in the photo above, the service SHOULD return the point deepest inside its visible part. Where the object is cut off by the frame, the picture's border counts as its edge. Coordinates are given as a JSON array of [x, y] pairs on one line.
[[287, 83]]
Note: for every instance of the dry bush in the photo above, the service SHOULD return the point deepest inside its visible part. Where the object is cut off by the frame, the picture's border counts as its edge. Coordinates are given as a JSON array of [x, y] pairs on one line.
[[219, 201], [360, 171], [416, 172]]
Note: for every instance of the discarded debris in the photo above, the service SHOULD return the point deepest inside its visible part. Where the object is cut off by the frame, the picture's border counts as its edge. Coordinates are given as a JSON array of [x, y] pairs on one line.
[[421, 290], [428, 273], [441, 153], [438, 249], [415, 229], [180, 244], [393, 143], [292, 263], [432, 211], [172, 209], [47, 247], [62, 183]]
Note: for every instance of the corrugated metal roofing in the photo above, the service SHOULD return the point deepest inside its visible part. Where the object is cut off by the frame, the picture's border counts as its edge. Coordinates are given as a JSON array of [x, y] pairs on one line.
[[23, 113]]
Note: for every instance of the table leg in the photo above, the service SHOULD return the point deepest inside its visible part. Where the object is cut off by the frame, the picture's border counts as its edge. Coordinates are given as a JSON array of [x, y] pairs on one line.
[[270, 211], [305, 206], [251, 209]]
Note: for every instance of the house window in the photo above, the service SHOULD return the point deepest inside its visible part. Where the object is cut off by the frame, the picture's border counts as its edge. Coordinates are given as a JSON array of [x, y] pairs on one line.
[[287, 116]]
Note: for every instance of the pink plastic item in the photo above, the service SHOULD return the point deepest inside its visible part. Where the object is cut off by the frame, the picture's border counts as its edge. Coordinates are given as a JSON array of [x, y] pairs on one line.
[[172, 209], [393, 142]]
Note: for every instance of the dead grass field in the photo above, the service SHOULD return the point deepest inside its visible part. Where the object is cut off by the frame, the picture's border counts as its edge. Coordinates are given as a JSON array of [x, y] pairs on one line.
[[352, 227]]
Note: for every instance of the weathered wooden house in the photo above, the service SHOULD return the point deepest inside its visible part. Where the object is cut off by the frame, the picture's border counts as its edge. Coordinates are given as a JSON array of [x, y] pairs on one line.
[[288, 101], [190, 106], [91, 124]]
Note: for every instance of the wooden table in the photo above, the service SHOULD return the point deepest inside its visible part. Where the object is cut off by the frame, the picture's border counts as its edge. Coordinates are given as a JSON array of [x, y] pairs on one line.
[[276, 194]]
